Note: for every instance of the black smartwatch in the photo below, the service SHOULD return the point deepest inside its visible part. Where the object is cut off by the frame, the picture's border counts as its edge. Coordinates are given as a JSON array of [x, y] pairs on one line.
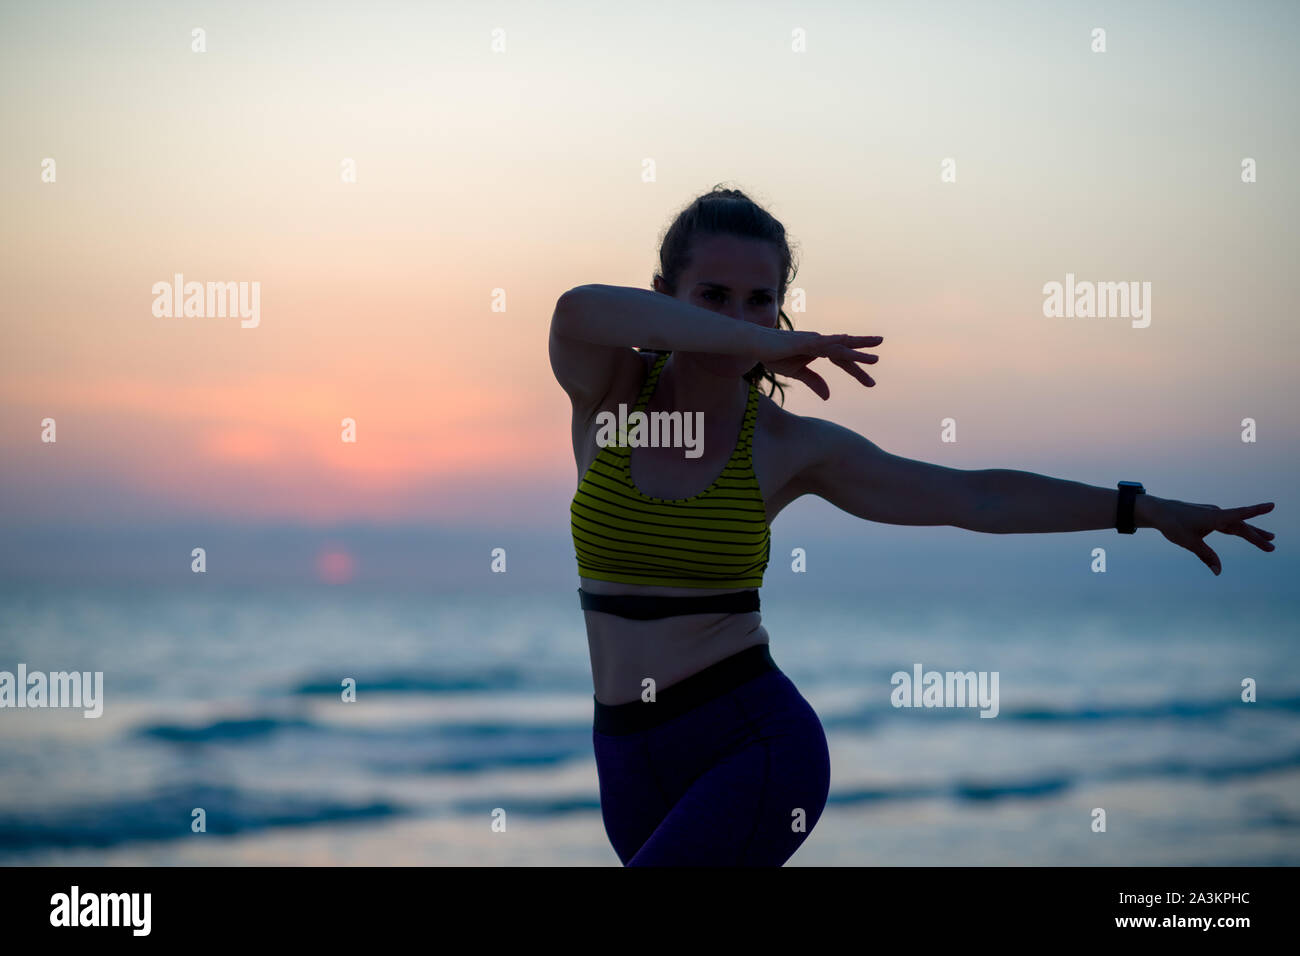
[[1128, 492]]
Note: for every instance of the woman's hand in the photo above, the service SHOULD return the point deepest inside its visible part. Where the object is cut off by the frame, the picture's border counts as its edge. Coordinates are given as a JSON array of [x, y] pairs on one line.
[[788, 353], [1186, 524]]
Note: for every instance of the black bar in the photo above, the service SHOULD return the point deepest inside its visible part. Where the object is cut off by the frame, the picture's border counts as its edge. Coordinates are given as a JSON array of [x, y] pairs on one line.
[[250, 906]]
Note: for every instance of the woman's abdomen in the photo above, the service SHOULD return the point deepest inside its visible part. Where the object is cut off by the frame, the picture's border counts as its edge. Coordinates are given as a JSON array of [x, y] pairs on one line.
[[625, 652]]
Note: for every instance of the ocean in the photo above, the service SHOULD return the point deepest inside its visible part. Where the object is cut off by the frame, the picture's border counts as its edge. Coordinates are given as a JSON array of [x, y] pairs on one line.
[[469, 740]]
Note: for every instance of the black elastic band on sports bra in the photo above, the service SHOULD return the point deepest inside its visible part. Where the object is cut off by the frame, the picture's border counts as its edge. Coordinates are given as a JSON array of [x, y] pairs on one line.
[[649, 607], [684, 696]]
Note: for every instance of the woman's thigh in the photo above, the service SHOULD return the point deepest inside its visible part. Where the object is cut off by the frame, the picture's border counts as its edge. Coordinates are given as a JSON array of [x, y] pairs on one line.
[[643, 774], [741, 780], [632, 801]]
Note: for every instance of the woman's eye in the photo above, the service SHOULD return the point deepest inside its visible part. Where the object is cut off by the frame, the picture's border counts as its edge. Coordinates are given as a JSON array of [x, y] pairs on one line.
[[758, 300]]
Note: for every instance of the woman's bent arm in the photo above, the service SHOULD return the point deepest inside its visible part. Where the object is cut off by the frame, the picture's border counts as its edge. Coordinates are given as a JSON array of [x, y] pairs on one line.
[[613, 315], [594, 328]]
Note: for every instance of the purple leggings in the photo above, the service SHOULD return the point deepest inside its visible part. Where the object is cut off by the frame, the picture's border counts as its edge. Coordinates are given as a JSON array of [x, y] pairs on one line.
[[731, 770]]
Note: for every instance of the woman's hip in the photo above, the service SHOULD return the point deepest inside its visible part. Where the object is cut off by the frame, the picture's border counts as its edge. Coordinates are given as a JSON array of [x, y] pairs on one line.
[[746, 702]]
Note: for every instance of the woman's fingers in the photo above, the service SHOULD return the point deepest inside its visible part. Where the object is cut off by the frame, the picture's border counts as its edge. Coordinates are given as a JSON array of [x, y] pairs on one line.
[[1231, 515], [850, 365], [841, 350], [844, 355], [847, 346], [1250, 511], [815, 382], [815, 345], [1188, 524], [1206, 554], [1232, 521], [1261, 542], [831, 345], [856, 356], [1256, 536]]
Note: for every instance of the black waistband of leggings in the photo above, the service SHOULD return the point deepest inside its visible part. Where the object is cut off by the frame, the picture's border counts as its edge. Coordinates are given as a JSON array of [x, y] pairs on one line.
[[647, 607], [685, 695]]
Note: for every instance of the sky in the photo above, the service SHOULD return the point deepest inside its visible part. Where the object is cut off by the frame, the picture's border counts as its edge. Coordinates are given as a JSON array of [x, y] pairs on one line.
[[500, 154]]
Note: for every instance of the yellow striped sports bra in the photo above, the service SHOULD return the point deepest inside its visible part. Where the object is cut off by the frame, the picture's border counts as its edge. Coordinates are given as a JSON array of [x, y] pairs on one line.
[[718, 538]]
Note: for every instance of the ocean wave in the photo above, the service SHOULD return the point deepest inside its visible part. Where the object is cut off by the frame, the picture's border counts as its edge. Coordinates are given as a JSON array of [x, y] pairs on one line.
[[1056, 783], [468, 679], [399, 749], [226, 731], [165, 814], [1176, 709]]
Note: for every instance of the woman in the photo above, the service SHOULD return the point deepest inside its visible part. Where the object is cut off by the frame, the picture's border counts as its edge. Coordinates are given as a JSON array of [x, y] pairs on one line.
[[705, 751]]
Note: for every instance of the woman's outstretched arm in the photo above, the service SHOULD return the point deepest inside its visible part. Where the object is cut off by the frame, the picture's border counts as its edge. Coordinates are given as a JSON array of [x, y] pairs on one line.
[[857, 476]]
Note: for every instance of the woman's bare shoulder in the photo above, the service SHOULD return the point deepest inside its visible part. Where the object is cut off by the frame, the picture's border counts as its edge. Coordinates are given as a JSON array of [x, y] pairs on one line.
[[787, 447], [788, 427]]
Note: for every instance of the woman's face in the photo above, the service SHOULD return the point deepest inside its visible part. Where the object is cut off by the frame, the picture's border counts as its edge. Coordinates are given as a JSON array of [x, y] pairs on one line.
[[734, 277]]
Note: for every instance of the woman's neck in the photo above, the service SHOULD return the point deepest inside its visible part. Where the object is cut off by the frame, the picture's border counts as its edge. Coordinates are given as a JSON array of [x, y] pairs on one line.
[[691, 385]]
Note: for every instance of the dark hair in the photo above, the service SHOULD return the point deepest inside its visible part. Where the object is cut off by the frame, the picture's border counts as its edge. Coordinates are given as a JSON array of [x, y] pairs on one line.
[[726, 212]]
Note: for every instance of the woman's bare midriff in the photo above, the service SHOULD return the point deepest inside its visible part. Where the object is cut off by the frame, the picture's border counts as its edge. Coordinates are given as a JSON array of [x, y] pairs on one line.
[[624, 652]]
